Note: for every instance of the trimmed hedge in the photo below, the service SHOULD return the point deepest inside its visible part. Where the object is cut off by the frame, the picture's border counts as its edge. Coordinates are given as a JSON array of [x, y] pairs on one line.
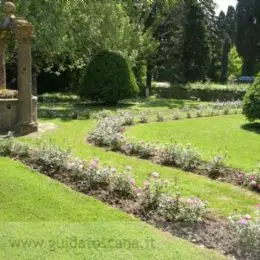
[[181, 92], [109, 79]]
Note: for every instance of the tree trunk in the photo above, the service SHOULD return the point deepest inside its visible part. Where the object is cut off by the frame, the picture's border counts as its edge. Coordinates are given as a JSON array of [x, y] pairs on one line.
[[149, 78]]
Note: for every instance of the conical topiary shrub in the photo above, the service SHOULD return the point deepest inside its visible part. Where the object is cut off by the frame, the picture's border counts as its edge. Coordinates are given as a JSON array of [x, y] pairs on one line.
[[108, 79]]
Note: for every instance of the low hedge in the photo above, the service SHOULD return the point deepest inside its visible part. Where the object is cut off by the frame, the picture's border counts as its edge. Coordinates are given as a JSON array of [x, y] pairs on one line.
[[182, 92]]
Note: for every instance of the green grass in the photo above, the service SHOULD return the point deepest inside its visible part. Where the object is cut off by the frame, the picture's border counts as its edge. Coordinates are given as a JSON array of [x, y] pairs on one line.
[[214, 135], [223, 198], [37, 214]]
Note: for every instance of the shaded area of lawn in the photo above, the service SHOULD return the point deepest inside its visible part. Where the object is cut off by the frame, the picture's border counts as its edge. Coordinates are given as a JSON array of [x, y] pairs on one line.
[[43, 219], [142, 105], [223, 198], [252, 127], [214, 135]]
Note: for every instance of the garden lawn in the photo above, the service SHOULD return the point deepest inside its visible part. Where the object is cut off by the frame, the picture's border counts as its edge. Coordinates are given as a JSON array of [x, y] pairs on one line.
[[223, 198], [43, 219], [213, 135]]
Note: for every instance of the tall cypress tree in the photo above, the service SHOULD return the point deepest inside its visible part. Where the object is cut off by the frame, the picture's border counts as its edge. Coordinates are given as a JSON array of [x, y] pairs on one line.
[[196, 49], [248, 34], [229, 32]]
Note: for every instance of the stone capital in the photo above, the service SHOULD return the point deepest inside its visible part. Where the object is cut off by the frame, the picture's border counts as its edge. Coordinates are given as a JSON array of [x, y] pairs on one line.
[[24, 31]]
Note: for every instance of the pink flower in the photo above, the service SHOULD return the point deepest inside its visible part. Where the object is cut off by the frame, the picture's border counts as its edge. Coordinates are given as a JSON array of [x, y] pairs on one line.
[[94, 163], [156, 175], [258, 206], [132, 181], [241, 176], [243, 221], [247, 217]]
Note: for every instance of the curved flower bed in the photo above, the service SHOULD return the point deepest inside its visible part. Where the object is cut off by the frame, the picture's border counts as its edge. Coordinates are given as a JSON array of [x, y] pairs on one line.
[[109, 133]]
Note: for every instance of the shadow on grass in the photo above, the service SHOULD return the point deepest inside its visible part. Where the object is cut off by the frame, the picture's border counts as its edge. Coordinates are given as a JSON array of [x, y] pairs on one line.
[[169, 103], [252, 127]]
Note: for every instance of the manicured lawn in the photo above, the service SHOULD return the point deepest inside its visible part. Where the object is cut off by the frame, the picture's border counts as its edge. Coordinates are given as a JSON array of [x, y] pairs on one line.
[[213, 135], [43, 219], [223, 198]]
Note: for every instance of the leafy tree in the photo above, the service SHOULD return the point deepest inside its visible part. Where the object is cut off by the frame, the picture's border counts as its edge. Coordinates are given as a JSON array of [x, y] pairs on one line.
[[234, 64], [70, 33], [108, 78], [251, 106]]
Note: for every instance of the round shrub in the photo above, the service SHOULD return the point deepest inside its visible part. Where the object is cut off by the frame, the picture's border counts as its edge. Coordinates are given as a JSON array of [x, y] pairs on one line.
[[251, 105], [109, 79]]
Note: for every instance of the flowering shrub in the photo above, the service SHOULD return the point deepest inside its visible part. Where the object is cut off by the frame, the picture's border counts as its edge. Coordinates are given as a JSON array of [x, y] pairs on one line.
[[176, 115], [215, 164], [50, 156], [102, 114], [172, 208], [185, 157], [248, 230], [5, 147], [189, 114], [124, 185], [159, 117], [153, 190], [128, 118], [188, 210], [143, 118]]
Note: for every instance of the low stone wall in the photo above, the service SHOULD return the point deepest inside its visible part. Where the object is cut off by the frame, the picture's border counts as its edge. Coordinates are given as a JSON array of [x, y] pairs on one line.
[[9, 114]]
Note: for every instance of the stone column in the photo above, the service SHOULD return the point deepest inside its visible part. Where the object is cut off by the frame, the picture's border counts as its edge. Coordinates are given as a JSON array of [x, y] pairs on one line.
[[2, 60], [24, 34]]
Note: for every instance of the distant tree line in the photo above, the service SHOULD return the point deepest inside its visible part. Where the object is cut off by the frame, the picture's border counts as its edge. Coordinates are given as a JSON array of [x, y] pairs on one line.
[[170, 40]]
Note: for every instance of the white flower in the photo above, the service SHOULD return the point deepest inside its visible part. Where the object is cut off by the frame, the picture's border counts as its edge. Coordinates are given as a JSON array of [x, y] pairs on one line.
[[155, 175]]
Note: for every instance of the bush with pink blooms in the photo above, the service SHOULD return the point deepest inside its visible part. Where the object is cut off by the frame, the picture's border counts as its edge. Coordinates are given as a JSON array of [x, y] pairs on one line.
[[248, 230]]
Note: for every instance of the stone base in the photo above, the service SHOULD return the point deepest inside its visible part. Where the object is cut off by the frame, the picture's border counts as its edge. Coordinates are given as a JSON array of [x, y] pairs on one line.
[[28, 129]]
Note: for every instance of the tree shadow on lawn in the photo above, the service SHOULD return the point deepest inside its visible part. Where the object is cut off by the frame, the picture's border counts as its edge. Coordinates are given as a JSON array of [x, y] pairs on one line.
[[169, 103], [252, 127]]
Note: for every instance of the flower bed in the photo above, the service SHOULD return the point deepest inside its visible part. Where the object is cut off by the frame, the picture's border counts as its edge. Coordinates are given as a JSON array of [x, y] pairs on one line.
[[183, 217], [109, 133]]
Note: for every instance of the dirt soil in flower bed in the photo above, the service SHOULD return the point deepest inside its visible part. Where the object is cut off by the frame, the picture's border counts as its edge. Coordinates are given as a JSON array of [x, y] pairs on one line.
[[212, 232]]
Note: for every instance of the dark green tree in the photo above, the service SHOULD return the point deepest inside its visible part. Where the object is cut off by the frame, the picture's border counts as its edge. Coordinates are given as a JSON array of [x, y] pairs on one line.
[[247, 39], [229, 34], [196, 49], [169, 59]]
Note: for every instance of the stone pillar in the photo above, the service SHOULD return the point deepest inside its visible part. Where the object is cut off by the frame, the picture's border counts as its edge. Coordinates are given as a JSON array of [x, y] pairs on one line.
[[2, 60], [24, 34]]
